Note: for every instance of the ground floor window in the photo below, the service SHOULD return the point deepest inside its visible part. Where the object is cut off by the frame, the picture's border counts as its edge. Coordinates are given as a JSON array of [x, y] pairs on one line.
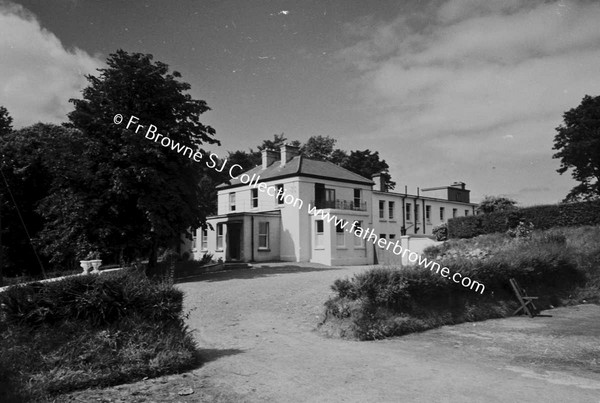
[[263, 235], [204, 239], [219, 236], [340, 237], [358, 241], [319, 233]]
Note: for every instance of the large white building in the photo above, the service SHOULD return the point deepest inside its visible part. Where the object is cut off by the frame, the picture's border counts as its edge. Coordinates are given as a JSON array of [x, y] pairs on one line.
[[275, 220]]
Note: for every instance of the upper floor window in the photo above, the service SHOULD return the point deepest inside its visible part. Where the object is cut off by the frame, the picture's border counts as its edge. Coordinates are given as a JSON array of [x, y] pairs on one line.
[[254, 198], [263, 235], [381, 208], [442, 213], [280, 194], [330, 198], [408, 212], [391, 206], [231, 201], [357, 198], [392, 236], [428, 213]]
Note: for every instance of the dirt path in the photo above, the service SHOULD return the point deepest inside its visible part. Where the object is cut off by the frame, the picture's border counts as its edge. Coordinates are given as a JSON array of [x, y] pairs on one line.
[[256, 328]]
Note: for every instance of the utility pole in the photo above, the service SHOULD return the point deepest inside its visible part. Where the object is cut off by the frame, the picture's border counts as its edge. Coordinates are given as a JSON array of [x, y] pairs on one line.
[[1, 247]]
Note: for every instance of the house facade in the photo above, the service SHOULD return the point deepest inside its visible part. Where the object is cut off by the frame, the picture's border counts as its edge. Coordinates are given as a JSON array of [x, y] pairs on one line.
[[278, 211]]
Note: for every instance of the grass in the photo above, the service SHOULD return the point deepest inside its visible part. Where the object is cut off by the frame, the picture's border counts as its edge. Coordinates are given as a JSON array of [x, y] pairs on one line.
[[561, 266], [90, 331]]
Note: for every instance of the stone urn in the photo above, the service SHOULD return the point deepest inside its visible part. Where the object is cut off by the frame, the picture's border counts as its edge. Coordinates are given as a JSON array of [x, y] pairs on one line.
[[86, 265], [96, 263]]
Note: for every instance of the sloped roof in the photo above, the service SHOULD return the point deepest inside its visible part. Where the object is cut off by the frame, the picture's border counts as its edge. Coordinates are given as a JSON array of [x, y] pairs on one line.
[[300, 166]]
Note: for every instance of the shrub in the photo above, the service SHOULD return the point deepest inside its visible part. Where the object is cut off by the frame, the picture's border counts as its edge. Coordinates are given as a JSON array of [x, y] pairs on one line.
[[383, 302], [440, 232], [87, 331], [542, 217]]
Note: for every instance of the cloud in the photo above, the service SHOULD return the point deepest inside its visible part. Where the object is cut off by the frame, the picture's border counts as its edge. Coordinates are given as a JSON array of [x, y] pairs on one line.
[[456, 84], [38, 74]]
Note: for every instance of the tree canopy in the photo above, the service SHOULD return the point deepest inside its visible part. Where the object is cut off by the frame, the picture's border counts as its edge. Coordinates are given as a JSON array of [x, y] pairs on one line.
[[141, 195], [491, 204], [578, 144]]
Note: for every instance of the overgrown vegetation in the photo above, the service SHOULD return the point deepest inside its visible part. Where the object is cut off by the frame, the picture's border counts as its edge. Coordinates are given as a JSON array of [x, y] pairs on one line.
[[93, 330], [560, 266], [542, 217]]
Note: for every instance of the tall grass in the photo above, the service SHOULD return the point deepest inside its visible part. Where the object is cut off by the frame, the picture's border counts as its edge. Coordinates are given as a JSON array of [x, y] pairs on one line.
[[89, 331], [560, 266]]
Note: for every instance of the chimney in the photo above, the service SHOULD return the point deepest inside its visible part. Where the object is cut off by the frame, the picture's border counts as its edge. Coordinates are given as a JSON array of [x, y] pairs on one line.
[[268, 157], [460, 185], [288, 152], [379, 182]]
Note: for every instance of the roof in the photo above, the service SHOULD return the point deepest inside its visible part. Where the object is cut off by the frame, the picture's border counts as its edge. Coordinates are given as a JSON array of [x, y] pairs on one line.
[[301, 166]]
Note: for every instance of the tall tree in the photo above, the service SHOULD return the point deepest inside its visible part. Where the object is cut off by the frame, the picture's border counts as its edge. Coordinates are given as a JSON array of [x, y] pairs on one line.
[[145, 195], [490, 204], [319, 148], [5, 121], [578, 145], [367, 163]]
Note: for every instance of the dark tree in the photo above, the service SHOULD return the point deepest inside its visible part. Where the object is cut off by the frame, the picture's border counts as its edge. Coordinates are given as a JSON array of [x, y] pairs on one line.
[[142, 195], [367, 164], [319, 148], [5, 121], [491, 204], [578, 145]]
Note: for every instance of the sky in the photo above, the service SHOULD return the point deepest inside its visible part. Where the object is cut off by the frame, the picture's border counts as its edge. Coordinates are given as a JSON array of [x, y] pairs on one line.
[[453, 90]]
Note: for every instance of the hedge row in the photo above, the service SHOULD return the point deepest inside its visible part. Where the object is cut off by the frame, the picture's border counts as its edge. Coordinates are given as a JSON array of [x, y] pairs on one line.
[[542, 217]]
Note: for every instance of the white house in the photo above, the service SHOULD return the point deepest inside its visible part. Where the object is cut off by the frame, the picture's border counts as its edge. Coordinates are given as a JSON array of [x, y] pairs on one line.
[[274, 218]]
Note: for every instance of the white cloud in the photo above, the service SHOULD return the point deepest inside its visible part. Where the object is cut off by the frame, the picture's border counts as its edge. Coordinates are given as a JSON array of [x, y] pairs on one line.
[[38, 74], [479, 73]]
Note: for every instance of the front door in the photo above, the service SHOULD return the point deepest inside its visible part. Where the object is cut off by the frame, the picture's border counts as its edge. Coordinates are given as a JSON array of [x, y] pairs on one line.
[[234, 241]]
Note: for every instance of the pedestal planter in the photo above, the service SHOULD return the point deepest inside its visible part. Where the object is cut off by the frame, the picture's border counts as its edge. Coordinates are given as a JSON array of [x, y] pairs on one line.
[[96, 264], [86, 265]]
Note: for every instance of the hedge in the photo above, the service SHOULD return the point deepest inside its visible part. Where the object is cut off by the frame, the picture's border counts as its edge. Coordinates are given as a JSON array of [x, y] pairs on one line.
[[542, 217]]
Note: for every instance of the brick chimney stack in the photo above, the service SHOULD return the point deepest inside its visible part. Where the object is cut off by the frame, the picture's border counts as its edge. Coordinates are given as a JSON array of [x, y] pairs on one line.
[[268, 157], [288, 152]]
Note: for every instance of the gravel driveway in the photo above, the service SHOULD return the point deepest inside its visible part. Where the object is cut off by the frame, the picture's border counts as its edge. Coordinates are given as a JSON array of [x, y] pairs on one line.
[[256, 328]]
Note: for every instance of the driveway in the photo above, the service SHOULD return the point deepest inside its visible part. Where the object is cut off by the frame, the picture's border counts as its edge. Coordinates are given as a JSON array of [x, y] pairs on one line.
[[256, 329]]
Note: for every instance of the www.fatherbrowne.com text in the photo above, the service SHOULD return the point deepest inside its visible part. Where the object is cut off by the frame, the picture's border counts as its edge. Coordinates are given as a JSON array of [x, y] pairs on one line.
[[151, 133]]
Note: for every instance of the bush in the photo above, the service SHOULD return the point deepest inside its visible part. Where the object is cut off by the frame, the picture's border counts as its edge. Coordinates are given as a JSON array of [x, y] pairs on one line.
[[93, 330], [440, 232], [542, 217], [383, 302]]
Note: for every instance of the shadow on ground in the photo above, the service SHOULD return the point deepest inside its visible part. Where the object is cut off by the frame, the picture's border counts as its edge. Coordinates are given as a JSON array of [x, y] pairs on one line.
[[212, 354], [254, 272]]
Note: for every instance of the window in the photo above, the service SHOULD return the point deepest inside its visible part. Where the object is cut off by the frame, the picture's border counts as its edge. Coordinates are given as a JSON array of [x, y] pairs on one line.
[[382, 236], [219, 236], [263, 235], [194, 238], [417, 213], [442, 211], [254, 198], [392, 236], [279, 195], [357, 199], [231, 201], [381, 208], [466, 213], [454, 212], [358, 241], [330, 198], [340, 236], [428, 213], [408, 206], [204, 239], [391, 210], [319, 229]]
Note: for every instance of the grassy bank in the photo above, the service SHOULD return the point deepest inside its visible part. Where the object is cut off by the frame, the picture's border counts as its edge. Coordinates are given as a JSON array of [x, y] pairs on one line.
[[561, 266], [87, 331]]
